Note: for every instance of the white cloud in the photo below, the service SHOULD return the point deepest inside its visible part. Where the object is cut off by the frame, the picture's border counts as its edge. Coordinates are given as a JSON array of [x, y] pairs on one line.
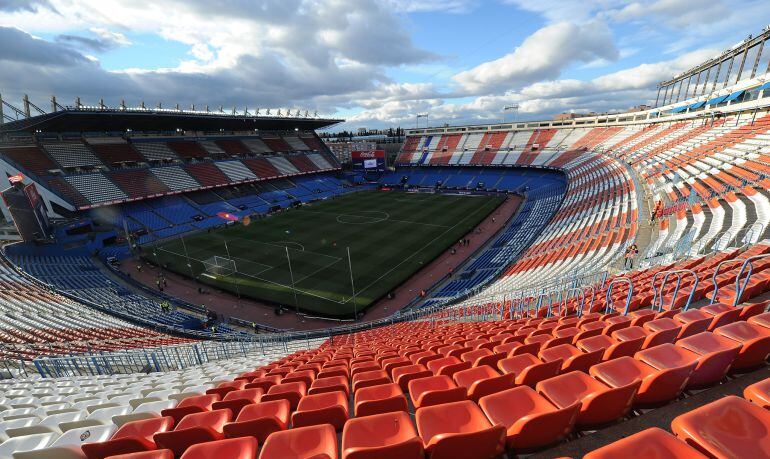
[[543, 55]]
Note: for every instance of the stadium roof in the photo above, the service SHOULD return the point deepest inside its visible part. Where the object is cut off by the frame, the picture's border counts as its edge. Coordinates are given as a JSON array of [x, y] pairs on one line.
[[112, 120]]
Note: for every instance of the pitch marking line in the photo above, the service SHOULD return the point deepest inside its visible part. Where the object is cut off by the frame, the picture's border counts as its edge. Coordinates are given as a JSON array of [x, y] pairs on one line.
[[268, 268], [415, 253]]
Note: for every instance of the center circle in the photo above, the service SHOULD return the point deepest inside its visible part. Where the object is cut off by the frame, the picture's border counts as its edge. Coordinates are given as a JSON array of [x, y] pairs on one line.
[[363, 217]]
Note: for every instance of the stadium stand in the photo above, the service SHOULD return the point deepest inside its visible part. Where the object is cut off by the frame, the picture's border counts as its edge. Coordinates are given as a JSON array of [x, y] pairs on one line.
[[541, 343]]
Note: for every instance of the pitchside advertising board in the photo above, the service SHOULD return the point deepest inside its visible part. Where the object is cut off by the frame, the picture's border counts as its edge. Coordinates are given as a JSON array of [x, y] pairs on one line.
[[368, 160]]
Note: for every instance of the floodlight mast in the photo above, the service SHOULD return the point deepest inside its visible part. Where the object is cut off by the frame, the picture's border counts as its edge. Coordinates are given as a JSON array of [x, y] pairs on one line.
[[514, 108]]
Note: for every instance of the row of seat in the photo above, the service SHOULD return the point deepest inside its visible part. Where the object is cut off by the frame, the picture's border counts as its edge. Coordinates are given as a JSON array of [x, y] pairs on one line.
[[729, 427]]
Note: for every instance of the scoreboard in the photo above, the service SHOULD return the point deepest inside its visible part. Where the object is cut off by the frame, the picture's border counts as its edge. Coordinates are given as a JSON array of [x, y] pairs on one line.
[[368, 160]]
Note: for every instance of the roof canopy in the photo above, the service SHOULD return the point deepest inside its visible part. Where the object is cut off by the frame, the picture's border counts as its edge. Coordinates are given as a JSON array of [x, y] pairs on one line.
[[113, 120]]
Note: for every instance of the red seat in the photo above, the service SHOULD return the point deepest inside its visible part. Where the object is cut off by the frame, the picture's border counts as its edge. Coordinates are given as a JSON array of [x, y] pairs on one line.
[[326, 408], [330, 384], [434, 390], [482, 380], [598, 403], [529, 370], [264, 383], [722, 314], [226, 387], [381, 436], [384, 398], [190, 405], [610, 347], [292, 392], [530, 420], [316, 442], [759, 393], [660, 331], [693, 322], [728, 427], [634, 336], [370, 378], [131, 437], [754, 340], [447, 366], [459, 430], [260, 420], [572, 358], [657, 385], [155, 454], [715, 356], [403, 375], [482, 356], [194, 428], [332, 372], [237, 399], [653, 443], [231, 448], [306, 376]]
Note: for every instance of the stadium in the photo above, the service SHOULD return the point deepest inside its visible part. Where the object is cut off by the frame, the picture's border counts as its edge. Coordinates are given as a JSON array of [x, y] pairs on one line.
[[212, 283]]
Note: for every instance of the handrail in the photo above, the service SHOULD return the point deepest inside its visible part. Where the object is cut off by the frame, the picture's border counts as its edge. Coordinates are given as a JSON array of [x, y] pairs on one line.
[[610, 303], [748, 233], [738, 288], [567, 297], [658, 299], [716, 273]]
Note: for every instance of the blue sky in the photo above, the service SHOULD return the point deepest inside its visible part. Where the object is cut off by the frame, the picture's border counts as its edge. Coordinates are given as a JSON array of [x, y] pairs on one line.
[[376, 63]]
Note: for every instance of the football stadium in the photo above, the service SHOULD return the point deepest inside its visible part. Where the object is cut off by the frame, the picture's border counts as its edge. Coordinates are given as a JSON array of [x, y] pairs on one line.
[[505, 262]]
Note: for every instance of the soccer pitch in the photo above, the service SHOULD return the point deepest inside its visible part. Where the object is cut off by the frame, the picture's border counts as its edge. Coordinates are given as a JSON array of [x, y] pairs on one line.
[[300, 256]]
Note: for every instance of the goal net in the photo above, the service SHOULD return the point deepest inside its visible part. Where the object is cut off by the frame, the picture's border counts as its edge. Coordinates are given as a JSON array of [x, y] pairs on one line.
[[220, 266]]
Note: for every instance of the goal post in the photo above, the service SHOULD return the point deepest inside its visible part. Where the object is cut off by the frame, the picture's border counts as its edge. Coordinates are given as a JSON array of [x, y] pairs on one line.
[[220, 266]]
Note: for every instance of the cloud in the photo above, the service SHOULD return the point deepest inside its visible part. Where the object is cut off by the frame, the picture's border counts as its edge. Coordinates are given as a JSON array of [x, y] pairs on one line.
[[543, 55], [103, 41], [23, 5], [423, 6]]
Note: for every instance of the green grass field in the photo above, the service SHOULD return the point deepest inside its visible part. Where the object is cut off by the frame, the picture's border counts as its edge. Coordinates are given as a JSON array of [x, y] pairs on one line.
[[391, 235]]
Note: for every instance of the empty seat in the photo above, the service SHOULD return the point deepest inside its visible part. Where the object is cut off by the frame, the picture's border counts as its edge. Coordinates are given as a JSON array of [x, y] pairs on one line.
[[657, 385], [155, 454], [598, 403], [303, 442], [715, 356], [190, 405], [369, 378], [728, 427], [383, 398], [260, 420], [531, 421], [237, 399], [292, 392], [326, 408], [380, 436], [754, 340], [572, 358], [459, 430], [483, 380], [194, 428], [231, 448], [329, 384], [758, 393], [129, 438], [647, 444], [434, 390], [529, 370]]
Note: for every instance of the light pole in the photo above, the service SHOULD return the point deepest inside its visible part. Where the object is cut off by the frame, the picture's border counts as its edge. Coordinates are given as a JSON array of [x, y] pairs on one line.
[[421, 115], [515, 108]]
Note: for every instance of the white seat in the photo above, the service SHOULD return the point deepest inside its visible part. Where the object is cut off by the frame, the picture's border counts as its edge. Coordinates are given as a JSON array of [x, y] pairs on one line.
[[15, 424], [59, 452], [52, 421], [105, 415], [83, 435], [26, 443], [155, 407]]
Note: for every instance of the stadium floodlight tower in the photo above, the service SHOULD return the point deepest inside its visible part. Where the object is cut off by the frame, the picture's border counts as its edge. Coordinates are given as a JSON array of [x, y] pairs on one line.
[[514, 108], [421, 115]]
